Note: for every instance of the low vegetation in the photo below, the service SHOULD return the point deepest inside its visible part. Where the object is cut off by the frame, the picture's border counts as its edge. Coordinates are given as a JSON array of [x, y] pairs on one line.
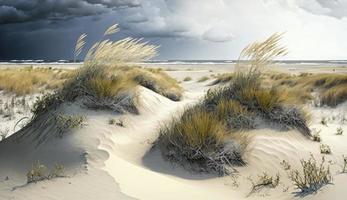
[[312, 176], [325, 89], [40, 172], [331, 89], [66, 123], [285, 165], [316, 136], [32, 80], [201, 142], [203, 79], [339, 131], [188, 78], [223, 78], [325, 149], [344, 164], [264, 181]]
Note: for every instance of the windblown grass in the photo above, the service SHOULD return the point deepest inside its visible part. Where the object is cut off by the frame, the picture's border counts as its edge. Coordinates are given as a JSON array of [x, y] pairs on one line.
[[105, 81], [32, 80]]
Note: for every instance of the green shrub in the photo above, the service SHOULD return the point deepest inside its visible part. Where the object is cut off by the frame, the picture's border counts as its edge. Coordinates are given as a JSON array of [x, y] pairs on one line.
[[45, 103], [68, 122]]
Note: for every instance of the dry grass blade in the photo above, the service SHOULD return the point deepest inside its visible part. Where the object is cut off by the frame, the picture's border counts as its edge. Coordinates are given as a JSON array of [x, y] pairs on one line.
[[111, 30], [262, 53], [126, 50], [79, 45]]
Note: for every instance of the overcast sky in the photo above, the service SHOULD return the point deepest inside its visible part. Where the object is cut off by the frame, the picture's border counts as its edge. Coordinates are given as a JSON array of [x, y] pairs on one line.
[[185, 29]]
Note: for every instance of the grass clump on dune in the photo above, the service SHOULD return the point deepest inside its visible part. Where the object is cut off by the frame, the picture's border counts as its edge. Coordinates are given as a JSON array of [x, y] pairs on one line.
[[258, 102], [201, 142], [188, 78], [157, 81], [207, 136], [203, 79], [105, 81]]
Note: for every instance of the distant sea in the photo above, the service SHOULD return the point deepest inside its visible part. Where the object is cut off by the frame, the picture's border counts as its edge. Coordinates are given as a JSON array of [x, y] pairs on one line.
[[184, 62]]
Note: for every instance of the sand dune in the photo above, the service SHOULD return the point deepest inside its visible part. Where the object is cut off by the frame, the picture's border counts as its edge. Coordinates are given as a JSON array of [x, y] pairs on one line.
[[105, 161]]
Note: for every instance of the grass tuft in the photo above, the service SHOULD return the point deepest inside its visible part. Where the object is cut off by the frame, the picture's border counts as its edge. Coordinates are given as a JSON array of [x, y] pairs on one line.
[[200, 142], [39, 172], [203, 79], [187, 79]]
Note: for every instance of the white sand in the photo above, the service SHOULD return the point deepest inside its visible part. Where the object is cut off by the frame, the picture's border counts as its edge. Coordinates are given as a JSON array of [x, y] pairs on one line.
[[110, 162]]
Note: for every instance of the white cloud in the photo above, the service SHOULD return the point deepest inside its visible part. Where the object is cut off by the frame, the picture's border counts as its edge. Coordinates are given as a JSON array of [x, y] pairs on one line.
[[217, 35]]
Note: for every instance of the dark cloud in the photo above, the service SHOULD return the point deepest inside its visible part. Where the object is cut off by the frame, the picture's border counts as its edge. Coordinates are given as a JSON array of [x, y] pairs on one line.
[[17, 11]]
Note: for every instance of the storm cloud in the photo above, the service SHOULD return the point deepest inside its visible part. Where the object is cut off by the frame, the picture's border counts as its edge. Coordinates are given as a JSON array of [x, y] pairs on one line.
[[17, 11], [185, 29]]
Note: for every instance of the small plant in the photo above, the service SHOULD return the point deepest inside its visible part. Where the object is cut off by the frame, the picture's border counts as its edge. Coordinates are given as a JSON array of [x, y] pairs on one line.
[[264, 180], [203, 79], [344, 165], [316, 135], [118, 122], [58, 171], [111, 121], [325, 149], [187, 78], [37, 173], [285, 165], [324, 121], [44, 103], [339, 131], [68, 122], [312, 176]]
